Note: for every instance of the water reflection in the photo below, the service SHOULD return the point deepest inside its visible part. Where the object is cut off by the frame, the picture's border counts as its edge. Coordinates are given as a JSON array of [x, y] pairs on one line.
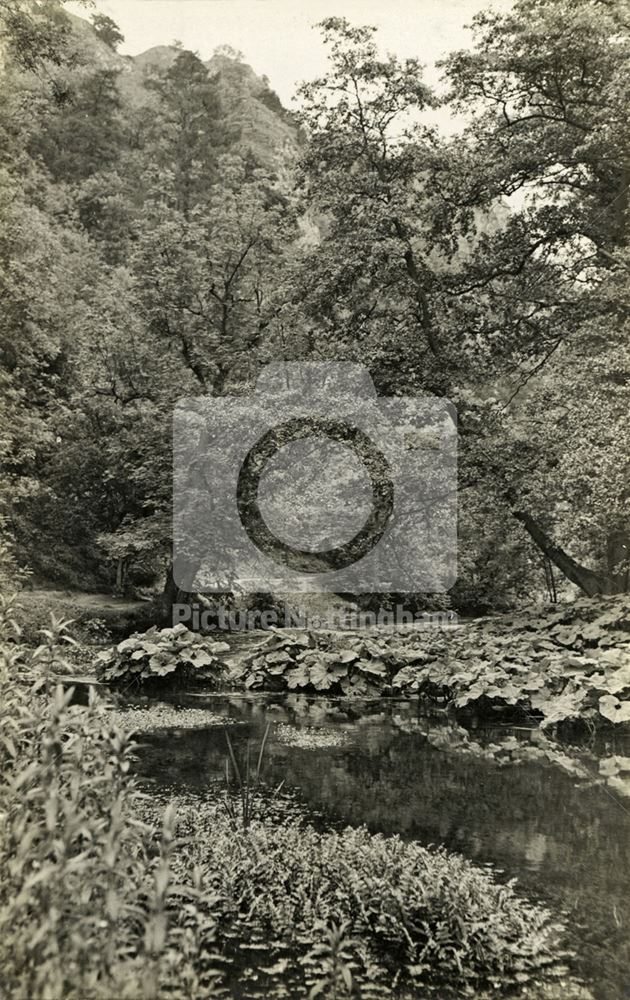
[[568, 843]]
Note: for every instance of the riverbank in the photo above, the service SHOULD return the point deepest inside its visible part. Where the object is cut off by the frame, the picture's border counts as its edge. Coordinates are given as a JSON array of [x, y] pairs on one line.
[[554, 665], [110, 894]]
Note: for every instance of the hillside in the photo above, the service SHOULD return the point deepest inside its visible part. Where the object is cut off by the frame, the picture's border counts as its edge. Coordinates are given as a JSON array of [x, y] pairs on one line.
[[252, 110]]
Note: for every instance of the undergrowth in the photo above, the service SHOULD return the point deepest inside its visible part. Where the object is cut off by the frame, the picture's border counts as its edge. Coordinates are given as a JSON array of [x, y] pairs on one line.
[[411, 917], [89, 909]]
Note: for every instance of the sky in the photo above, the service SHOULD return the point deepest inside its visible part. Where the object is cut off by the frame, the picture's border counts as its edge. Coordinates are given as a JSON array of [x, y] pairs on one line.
[[277, 37]]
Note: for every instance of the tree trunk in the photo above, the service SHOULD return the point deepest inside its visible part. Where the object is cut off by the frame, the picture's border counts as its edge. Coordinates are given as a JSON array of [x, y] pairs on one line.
[[172, 594], [121, 576], [617, 553], [590, 582]]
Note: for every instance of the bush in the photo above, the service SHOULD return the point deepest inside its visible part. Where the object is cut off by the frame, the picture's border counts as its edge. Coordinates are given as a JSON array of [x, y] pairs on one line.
[[316, 662], [163, 657]]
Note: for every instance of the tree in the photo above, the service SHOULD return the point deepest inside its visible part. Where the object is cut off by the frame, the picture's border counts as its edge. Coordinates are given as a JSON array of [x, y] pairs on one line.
[[546, 89], [423, 269], [86, 134], [137, 265], [37, 33], [208, 282], [188, 134], [107, 30]]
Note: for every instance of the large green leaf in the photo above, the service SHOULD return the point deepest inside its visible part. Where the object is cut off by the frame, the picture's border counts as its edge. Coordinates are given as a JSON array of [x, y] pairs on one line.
[[613, 709], [376, 667], [298, 677], [321, 677]]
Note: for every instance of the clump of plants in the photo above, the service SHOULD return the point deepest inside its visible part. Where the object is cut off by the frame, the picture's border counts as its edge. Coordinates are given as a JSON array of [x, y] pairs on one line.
[[542, 675], [346, 664], [571, 663], [413, 919], [163, 658]]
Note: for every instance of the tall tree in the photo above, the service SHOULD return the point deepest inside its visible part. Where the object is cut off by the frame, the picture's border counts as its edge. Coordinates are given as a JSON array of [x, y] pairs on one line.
[[546, 88], [187, 134], [427, 272]]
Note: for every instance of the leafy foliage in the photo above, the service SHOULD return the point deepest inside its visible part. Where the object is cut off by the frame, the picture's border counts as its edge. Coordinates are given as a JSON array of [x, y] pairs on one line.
[[332, 960], [141, 253], [323, 662], [486, 266], [88, 903], [170, 656], [159, 242], [571, 663], [411, 917]]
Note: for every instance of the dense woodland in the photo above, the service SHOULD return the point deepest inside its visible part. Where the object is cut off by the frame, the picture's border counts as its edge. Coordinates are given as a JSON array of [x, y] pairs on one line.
[[169, 228]]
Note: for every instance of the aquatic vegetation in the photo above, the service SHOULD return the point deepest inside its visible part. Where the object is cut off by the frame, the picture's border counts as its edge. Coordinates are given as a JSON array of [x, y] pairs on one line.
[[529, 676], [411, 917], [337, 664], [143, 719], [311, 738], [248, 804], [332, 961], [163, 657], [572, 662]]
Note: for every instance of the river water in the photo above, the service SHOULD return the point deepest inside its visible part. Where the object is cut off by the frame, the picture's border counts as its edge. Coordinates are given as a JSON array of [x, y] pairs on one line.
[[567, 841]]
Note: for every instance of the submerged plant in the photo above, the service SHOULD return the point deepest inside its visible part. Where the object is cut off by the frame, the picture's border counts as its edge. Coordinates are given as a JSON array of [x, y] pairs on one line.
[[247, 781]]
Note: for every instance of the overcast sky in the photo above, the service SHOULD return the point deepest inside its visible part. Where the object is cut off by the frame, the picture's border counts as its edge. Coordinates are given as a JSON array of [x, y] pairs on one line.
[[277, 36]]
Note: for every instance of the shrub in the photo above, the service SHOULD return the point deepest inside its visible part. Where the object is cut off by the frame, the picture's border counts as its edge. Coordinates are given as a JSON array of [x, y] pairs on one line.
[[163, 657], [344, 664]]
